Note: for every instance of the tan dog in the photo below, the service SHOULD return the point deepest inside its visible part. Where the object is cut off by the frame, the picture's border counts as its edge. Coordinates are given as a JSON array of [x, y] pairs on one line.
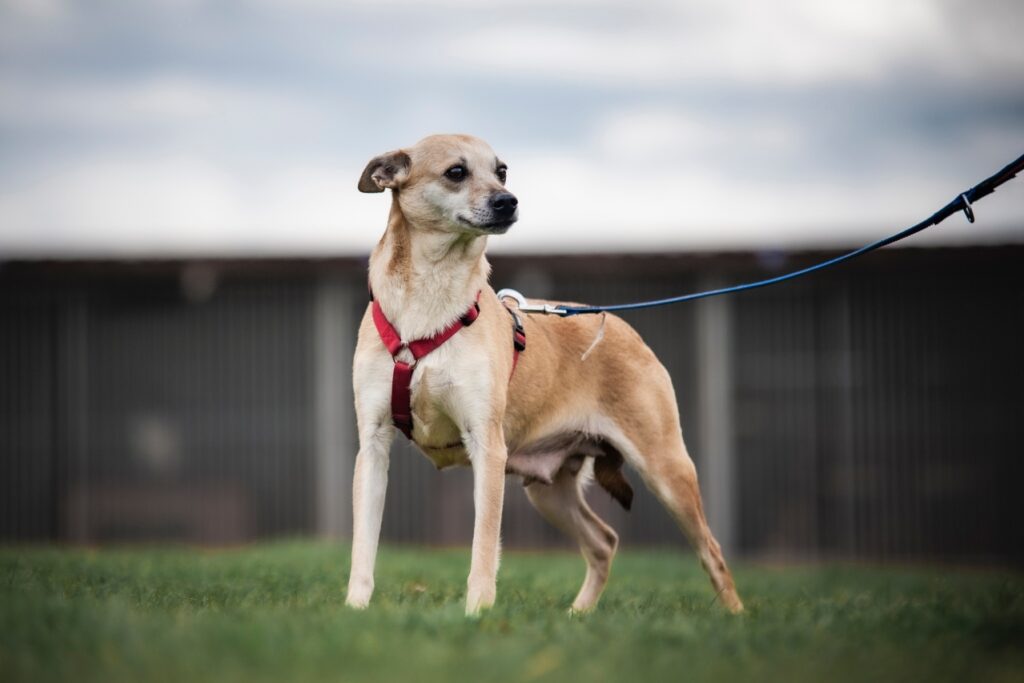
[[572, 409]]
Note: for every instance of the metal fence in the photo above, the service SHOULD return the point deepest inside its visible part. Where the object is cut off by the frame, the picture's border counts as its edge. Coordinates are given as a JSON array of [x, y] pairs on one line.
[[879, 414], [132, 412], [876, 411]]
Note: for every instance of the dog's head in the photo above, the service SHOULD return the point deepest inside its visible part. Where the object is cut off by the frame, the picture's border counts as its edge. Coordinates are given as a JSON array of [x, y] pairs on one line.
[[454, 183]]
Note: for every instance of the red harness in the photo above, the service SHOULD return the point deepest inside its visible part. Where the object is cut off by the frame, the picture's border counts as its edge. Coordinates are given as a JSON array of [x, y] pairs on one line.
[[401, 377]]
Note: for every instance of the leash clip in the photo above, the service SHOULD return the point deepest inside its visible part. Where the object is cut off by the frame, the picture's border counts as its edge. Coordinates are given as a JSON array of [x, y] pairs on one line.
[[522, 305], [968, 210]]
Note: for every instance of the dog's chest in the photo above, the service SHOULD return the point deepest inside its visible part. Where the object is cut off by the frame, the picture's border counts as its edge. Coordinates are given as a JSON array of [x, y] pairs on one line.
[[435, 398]]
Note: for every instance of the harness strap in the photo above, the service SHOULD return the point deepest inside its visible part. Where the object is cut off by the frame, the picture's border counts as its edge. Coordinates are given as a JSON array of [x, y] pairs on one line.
[[401, 397], [518, 339], [420, 347], [401, 376]]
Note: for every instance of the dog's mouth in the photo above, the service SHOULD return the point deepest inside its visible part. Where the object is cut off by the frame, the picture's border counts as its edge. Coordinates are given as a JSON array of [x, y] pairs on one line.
[[495, 227]]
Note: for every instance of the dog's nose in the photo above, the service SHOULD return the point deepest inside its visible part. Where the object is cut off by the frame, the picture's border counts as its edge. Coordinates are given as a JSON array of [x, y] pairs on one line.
[[504, 204]]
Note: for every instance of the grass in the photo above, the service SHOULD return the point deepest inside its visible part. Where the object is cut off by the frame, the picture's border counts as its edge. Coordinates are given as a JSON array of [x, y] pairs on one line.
[[275, 613]]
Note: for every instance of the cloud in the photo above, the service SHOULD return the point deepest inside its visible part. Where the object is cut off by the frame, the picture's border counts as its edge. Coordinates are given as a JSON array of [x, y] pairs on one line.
[[192, 126], [36, 10], [569, 203], [666, 136], [157, 101], [793, 42], [185, 204], [572, 205]]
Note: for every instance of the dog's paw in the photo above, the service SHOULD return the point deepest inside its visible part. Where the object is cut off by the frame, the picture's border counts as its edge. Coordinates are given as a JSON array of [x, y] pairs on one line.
[[359, 593], [477, 611], [580, 611], [731, 601], [359, 603], [735, 606], [479, 599]]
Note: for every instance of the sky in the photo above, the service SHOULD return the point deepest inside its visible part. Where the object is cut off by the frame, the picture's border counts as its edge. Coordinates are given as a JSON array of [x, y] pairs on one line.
[[181, 127]]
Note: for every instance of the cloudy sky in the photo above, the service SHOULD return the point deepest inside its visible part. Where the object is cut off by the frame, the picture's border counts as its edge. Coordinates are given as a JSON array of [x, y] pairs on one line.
[[185, 126]]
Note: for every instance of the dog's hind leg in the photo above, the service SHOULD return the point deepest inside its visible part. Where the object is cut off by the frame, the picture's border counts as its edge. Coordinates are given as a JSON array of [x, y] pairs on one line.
[[672, 477], [563, 505]]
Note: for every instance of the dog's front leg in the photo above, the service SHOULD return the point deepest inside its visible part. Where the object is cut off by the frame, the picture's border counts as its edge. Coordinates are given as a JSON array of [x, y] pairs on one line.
[[369, 484], [487, 454]]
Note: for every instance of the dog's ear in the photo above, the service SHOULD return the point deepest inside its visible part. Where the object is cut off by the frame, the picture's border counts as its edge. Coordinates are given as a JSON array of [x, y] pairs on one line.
[[387, 170]]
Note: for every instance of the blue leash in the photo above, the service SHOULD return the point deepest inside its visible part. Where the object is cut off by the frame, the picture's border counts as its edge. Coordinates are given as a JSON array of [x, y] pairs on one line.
[[962, 203]]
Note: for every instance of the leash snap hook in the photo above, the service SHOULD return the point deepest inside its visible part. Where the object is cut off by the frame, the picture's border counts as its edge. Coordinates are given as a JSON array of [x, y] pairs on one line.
[[525, 307], [514, 295], [968, 209]]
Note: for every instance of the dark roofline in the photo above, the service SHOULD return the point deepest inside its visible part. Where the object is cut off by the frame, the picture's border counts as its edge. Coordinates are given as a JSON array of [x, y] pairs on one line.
[[647, 263]]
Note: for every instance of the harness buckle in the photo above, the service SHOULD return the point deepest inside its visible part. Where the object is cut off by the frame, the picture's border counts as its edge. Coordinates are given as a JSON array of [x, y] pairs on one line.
[[518, 332]]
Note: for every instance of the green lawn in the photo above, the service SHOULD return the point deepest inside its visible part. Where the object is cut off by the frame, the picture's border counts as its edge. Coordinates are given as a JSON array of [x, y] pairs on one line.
[[275, 613]]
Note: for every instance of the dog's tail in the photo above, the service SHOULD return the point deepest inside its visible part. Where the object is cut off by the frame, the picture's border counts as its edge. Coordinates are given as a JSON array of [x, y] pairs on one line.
[[608, 473]]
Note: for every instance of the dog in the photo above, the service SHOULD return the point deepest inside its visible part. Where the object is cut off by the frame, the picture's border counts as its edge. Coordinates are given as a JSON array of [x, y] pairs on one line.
[[584, 397]]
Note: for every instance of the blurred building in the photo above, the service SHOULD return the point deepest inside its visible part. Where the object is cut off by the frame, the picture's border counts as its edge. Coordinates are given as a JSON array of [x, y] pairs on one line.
[[872, 411]]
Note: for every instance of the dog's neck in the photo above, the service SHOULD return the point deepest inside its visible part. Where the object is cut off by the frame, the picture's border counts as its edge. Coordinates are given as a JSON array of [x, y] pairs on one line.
[[425, 279]]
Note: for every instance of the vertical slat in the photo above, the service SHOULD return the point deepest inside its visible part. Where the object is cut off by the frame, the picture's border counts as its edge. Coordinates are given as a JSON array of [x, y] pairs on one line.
[[715, 387], [334, 424]]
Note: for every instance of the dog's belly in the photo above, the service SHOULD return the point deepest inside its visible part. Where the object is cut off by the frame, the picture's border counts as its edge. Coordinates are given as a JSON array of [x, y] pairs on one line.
[[538, 461], [542, 459], [440, 440], [531, 464]]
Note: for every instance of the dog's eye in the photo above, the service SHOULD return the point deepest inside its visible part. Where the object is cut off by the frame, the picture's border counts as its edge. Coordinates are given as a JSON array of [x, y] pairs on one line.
[[455, 173], [502, 173]]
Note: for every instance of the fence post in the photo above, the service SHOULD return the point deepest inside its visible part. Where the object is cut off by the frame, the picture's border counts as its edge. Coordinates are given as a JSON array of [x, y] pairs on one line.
[[335, 329], [715, 408], [71, 440]]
